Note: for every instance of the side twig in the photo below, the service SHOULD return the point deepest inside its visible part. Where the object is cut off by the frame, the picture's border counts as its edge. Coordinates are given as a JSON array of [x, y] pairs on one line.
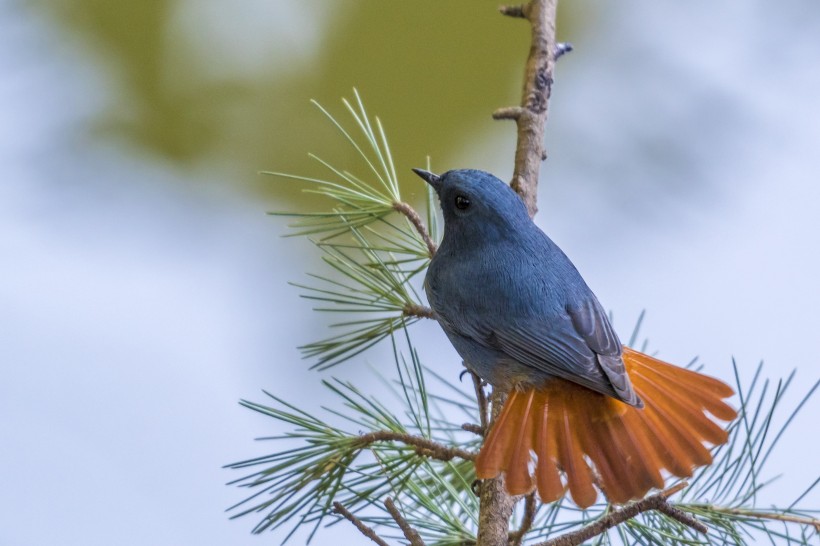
[[513, 11], [530, 509], [418, 311], [478, 430], [481, 398], [657, 502], [365, 530], [409, 533], [414, 218], [531, 116], [424, 446], [753, 514]]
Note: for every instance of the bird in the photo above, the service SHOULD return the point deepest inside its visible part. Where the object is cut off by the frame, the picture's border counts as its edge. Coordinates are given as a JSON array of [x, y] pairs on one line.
[[584, 413]]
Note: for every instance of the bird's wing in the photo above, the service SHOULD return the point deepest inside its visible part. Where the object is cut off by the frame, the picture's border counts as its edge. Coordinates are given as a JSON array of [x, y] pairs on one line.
[[591, 323], [573, 340], [577, 344]]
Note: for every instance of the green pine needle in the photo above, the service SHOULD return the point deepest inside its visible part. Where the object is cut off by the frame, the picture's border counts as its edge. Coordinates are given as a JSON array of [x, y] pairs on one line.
[[372, 250]]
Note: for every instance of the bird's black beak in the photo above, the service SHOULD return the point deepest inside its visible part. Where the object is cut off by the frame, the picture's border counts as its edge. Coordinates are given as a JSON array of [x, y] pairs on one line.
[[432, 179]]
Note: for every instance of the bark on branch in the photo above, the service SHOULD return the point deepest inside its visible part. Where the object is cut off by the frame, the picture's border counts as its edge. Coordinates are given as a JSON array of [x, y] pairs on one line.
[[409, 533], [424, 446], [414, 218], [364, 529], [418, 311], [531, 116], [495, 504]]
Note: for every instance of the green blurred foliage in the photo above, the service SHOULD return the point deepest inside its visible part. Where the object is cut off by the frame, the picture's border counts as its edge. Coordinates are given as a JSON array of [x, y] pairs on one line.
[[432, 70]]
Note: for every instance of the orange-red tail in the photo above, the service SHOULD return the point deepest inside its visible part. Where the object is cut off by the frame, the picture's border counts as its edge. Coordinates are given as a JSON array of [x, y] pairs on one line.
[[597, 440]]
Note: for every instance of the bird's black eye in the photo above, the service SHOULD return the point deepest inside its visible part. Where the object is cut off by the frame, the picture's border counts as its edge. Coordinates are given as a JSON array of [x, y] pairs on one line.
[[462, 202]]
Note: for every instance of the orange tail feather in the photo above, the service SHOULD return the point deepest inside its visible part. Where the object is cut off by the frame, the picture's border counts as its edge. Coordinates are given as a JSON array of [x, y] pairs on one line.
[[582, 439], [519, 480], [547, 478]]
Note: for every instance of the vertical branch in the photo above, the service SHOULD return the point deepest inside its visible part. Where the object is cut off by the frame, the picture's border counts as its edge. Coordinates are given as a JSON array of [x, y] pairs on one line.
[[530, 510], [496, 505], [531, 116]]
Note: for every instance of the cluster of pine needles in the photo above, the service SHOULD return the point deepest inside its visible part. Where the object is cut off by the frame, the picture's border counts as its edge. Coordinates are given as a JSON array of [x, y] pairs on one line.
[[410, 445]]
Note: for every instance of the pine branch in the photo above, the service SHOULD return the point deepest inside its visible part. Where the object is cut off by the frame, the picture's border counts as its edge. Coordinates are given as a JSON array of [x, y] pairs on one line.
[[657, 502], [415, 219], [531, 118], [426, 447], [496, 505], [361, 240]]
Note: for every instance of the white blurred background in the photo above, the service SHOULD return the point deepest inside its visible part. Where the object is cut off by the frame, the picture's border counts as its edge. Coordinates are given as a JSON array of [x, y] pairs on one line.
[[143, 289]]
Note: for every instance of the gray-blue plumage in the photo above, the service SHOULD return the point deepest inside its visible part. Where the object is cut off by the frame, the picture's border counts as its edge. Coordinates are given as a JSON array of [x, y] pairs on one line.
[[509, 299]]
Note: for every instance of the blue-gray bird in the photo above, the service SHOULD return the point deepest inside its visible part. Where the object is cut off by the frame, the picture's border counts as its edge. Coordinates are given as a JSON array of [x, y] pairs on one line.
[[583, 409]]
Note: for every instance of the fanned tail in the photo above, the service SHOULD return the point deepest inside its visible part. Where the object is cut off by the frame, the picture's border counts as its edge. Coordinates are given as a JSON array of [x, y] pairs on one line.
[[581, 439]]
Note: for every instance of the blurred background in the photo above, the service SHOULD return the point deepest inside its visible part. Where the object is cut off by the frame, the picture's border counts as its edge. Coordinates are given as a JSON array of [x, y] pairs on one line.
[[143, 289]]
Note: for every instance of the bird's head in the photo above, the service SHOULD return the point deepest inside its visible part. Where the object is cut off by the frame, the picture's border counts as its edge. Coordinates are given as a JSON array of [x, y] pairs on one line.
[[476, 202]]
